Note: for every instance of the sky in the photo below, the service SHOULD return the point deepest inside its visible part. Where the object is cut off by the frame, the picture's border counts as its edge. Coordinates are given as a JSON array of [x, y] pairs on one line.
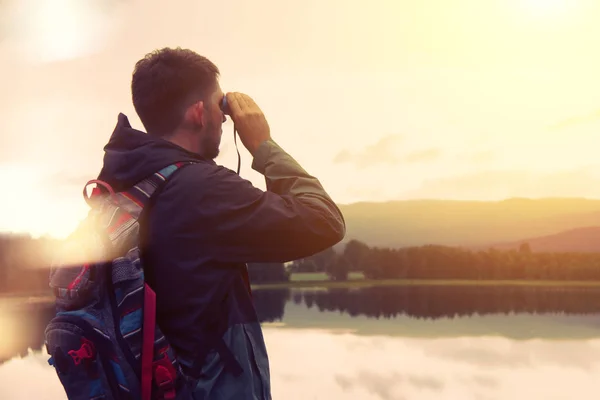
[[381, 100]]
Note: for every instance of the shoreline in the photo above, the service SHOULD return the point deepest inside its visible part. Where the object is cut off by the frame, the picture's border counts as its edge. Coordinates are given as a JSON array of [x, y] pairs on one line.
[[358, 283], [352, 284]]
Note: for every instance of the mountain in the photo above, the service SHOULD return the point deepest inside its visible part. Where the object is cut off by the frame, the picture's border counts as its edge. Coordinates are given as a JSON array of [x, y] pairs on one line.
[[465, 223], [582, 240]]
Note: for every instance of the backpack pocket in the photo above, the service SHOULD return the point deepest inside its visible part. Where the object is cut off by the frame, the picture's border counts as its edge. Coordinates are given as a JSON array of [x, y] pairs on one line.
[[82, 357]]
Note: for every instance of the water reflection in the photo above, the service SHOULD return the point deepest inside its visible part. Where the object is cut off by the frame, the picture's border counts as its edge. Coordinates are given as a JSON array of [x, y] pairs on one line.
[[316, 364], [22, 326], [453, 301], [515, 312], [387, 343], [403, 310]]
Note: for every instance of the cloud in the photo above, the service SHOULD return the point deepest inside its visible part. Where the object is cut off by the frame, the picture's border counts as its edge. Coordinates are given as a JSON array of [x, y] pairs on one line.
[[424, 155], [385, 385], [576, 120], [570, 355], [488, 358], [382, 152], [494, 184], [355, 192], [479, 157], [426, 382], [378, 153], [485, 381], [380, 385]]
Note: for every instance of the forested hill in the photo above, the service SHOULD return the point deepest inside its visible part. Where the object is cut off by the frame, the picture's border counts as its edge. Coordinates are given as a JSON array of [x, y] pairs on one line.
[[580, 240], [466, 223]]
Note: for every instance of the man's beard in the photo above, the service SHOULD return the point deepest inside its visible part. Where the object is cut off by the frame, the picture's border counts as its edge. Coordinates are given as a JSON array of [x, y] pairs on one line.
[[210, 149]]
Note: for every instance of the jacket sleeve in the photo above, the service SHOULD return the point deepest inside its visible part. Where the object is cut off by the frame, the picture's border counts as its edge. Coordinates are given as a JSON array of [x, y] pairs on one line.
[[237, 222]]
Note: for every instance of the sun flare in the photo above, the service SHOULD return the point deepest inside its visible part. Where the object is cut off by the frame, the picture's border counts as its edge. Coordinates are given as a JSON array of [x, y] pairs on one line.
[[34, 209], [58, 30]]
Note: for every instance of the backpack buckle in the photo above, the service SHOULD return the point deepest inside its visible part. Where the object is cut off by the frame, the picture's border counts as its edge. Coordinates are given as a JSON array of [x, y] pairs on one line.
[[165, 376], [86, 351]]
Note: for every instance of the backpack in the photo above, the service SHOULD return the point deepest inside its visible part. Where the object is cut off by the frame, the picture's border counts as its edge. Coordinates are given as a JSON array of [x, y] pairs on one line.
[[104, 342]]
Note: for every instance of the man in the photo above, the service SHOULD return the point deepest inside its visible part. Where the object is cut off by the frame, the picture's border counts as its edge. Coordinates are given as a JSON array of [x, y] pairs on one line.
[[208, 222]]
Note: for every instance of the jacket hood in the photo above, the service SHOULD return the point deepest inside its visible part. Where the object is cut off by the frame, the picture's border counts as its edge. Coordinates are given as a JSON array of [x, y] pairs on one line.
[[132, 155]]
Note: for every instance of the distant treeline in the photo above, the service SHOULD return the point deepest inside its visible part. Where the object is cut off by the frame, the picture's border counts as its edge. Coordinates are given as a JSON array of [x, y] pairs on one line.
[[444, 262], [24, 264]]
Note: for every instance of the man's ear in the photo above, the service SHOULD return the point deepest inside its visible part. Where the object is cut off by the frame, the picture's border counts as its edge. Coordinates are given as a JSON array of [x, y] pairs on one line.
[[197, 114]]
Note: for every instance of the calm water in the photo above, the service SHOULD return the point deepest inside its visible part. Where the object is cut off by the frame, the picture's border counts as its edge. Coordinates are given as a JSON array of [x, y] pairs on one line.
[[388, 343]]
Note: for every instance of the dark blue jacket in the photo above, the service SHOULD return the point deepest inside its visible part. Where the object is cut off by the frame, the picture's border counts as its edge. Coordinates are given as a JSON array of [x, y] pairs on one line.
[[203, 228]]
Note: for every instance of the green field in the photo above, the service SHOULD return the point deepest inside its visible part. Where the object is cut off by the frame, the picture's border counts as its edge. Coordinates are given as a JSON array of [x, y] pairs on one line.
[[321, 276]]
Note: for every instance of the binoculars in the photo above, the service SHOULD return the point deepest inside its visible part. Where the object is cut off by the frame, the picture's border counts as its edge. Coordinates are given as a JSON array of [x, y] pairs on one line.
[[227, 111], [224, 106]]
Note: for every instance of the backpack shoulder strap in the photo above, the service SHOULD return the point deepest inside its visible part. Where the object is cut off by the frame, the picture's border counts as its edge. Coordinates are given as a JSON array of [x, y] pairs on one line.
[[144, 192]]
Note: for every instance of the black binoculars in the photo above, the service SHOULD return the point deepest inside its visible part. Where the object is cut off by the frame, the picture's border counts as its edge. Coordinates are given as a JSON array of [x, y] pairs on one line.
[[224, 106]]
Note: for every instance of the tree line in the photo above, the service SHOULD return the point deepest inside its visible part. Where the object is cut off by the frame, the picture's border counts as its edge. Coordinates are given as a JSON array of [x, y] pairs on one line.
[[446, 262], [25, 262]]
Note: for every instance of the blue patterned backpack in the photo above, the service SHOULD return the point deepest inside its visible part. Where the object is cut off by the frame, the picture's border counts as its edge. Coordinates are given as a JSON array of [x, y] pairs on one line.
[[104, 341]]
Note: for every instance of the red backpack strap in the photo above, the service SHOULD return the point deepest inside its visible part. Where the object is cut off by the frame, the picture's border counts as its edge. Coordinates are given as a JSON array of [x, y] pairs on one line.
[[148, 341], [164, 375], [97, 190]]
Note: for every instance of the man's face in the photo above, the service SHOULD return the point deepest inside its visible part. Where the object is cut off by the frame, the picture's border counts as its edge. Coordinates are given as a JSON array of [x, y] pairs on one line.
[[213, 130]]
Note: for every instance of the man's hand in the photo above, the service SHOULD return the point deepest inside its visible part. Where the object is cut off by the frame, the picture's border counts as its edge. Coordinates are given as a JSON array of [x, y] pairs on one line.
[[249, 120]]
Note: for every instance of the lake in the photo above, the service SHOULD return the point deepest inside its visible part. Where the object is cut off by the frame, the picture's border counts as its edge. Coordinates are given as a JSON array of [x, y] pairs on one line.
[[387, 343]]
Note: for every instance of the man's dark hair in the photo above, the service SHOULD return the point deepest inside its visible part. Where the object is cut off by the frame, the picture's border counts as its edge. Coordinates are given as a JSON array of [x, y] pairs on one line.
[[167, 81]]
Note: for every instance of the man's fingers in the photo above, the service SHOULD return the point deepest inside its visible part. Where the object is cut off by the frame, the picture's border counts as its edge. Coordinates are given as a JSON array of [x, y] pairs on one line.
[[241, 103], [234, 104], [249, 119], [249, 103], [244, 103]]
